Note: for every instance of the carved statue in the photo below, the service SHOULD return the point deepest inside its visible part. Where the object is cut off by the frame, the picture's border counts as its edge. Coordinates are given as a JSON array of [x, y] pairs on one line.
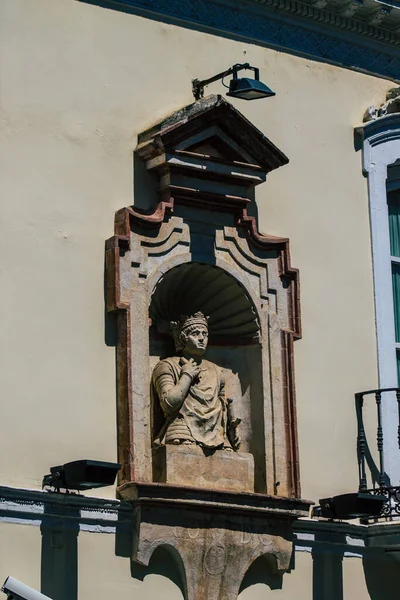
[[392, 105], [191, 392]]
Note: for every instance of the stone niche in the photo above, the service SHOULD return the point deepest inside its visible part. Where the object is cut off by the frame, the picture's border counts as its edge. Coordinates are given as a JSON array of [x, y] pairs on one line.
[[203, 436]]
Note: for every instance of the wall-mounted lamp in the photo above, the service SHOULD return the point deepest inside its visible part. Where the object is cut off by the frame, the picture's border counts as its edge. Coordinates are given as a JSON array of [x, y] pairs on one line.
[[350, 506], [245, 87], [81, 475]]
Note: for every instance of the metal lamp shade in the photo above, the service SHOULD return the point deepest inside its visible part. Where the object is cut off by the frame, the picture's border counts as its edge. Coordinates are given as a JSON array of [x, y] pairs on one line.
[[249, 89], [88, 474], [352, 506], [82, 475]]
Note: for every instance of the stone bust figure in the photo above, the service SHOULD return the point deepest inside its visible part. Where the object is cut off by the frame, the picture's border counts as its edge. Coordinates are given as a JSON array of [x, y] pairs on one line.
[[191, 392]]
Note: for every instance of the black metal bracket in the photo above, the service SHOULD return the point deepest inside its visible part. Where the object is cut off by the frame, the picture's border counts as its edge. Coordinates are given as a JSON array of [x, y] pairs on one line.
[[199, 85], [391, 507]]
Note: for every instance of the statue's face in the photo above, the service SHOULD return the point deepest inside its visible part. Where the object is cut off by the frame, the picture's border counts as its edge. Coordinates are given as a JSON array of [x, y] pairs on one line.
[[196, 341]]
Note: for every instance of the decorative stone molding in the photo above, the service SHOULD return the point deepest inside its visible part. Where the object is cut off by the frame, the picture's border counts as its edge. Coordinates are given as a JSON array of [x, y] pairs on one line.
[[392, 105], [379, 15], [350, 9], [310, 29], [200, 253], [147, 246]]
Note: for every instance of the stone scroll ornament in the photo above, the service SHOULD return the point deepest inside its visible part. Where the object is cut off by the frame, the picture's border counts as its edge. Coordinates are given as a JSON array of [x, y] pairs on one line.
[[215, 481], [191, 392]]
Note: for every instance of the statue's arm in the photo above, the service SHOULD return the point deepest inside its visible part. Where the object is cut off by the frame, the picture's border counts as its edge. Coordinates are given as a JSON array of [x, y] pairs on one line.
[[171, 394]]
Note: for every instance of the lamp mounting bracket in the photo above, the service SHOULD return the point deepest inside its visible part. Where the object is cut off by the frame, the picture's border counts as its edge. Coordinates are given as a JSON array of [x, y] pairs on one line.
[[199, 85]]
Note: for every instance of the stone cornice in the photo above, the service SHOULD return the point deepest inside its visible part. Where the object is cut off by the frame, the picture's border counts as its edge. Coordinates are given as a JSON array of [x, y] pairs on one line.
[[340, 19], [290, 25], [101, 515]]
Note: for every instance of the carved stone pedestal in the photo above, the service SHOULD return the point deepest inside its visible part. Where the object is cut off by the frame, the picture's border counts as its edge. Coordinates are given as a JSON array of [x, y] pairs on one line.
[[215, 535], [188, 465]]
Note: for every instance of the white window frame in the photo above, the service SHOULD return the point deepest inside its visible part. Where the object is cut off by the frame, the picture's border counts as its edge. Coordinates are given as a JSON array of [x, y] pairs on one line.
[[392, 186], [381, 148]]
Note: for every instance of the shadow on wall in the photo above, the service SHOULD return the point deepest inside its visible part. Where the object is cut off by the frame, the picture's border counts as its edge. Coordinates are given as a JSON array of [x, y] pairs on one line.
[[163, 560], [62, 518], [59, 566], [145, 186], [164, 563], [382, 576], [327, 571], [59, 560], [145, 199], [327, 555], [260, 572], [373, 475], [328, 575]]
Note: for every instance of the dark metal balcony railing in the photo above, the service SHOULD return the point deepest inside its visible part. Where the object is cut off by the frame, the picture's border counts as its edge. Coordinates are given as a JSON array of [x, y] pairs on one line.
[[380, 480]]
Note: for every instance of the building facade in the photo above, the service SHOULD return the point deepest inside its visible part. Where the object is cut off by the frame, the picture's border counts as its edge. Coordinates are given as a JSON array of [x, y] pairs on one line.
[[84, 86]]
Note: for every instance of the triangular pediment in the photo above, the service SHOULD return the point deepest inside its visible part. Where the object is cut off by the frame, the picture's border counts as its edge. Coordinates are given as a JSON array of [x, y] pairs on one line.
[[214, 142], [210, 148], [211, 127], [215, 147]]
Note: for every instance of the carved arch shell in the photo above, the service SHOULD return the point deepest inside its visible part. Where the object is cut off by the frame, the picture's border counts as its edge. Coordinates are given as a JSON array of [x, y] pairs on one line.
[[192, 287]]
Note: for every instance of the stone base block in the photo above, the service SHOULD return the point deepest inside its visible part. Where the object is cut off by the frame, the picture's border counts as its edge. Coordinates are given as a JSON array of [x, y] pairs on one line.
[[189, 465]]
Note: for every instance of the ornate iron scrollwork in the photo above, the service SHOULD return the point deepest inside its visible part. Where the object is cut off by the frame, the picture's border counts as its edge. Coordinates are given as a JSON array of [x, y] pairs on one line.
[[391, 507]]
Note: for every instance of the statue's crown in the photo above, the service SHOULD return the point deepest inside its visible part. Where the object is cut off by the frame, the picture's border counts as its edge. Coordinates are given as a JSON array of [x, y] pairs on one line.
[[186, 321]]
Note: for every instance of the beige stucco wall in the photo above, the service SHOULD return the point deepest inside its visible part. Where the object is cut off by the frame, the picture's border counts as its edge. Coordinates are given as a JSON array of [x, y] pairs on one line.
[[97, 561], [20, 553], [78, 83], [103, 575]]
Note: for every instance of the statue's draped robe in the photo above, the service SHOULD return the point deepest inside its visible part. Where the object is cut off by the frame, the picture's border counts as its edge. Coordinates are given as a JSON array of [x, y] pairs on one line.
[[202, 416]]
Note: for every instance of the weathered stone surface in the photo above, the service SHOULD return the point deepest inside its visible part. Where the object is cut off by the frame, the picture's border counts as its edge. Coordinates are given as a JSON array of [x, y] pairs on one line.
[[392, 105], [216, 536], [190, 392], [202, 229], [188, 465], [200, 254]]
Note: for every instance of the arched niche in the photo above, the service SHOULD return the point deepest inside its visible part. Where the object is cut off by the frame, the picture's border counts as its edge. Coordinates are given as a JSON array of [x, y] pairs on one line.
[[234, 343], [195, 286]]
